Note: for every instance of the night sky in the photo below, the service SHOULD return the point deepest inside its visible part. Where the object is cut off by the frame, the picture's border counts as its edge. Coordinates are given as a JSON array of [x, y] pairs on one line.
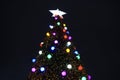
[[93, 25]]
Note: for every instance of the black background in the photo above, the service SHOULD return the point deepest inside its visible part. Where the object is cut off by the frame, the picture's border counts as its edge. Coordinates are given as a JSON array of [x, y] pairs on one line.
[[93, 24]]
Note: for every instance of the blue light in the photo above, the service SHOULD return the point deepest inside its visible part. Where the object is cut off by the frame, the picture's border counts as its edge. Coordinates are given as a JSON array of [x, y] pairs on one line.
[[76, 52], [53, 48], [34, 60]]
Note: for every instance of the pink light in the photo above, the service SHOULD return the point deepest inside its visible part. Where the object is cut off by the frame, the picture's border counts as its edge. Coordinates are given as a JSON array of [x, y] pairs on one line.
[[56, 18], [33, 70], [54, 33], [69, 37], [63, 73], [56, 41]]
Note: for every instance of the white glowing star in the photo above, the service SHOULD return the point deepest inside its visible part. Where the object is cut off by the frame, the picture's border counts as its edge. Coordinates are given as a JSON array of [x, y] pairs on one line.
[[57, 13]]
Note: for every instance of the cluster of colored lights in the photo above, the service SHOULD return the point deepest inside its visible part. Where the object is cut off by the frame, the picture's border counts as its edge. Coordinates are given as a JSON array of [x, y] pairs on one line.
[[49, 56]]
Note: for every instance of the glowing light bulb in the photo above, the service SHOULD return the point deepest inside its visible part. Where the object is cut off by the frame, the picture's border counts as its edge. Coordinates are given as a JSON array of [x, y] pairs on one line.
[[51, 27], [34, 60], [42, 69], [53, 48], [76, 52], [78, 57], [65, 28], [89, 77], [68, 43], [33, 69], [49, 56], [63, 73], [40, 52], [48, 34], [67, 32], [68, 50], [41, 44], [56, 18], [84, 78], [58, 23], [64, 25], [56, 41], [54, 33], [65, 36], [80, 68], [69, 66], [69, 37]]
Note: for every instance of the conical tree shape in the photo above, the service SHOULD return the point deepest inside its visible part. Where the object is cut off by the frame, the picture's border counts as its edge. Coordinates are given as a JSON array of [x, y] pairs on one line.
[[58, 58]]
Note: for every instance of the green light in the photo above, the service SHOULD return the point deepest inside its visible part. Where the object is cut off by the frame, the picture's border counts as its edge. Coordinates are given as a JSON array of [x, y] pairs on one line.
[[78, 57], [84, 78], [58, 23], [49, 56]]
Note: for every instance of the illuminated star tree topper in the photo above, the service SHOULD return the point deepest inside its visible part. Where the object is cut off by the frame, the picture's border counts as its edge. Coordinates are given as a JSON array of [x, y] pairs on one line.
[[57, 12]]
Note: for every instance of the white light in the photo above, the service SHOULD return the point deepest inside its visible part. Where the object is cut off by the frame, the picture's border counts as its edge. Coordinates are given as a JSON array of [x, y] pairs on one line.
[[42, 69], [69, 66], [51, 27], [57, 13], [56, 41], [65, 28], [68, 43], [40, 52]]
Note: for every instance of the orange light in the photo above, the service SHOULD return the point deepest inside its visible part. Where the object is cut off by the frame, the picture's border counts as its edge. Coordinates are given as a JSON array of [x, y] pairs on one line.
[[65, 37], [64, 30], [80, 68]]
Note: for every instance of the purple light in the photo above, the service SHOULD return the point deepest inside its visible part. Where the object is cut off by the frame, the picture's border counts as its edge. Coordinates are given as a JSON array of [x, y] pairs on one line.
[[56, 18], [89, 77], [54, 33], [69, 37], [63, 73], [33, 70]]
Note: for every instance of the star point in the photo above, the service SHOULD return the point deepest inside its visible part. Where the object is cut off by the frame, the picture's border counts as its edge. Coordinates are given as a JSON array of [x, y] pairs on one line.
[[57, 12]]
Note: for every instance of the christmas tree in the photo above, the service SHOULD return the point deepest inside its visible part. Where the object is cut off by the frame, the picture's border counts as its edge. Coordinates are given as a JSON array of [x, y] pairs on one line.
[[58, 58]]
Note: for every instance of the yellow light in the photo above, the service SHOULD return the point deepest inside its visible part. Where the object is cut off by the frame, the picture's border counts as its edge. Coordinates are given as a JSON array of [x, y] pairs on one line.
[[64, 25], [48, 34], [68, 50]]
